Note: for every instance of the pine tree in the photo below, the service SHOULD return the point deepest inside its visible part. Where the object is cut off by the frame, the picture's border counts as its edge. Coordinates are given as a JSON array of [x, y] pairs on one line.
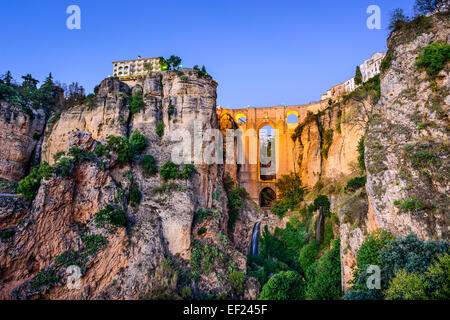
[[358, 76]]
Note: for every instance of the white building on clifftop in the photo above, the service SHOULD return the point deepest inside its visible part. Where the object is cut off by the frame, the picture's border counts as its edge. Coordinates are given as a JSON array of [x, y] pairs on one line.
[[369, 69], [133, 69]]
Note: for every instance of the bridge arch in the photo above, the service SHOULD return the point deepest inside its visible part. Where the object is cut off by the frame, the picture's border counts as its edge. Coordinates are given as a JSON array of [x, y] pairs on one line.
[[267, 197]]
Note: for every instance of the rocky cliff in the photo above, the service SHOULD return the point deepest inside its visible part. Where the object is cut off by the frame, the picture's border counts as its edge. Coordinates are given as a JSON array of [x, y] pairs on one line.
[[146, 257], [20, 134], [407, 143]]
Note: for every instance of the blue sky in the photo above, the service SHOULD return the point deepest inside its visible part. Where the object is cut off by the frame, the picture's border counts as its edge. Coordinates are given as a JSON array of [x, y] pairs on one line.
[[263, 53]]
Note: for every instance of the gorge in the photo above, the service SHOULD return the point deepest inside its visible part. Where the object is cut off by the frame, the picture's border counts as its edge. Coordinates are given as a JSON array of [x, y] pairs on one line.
[[98, 190]]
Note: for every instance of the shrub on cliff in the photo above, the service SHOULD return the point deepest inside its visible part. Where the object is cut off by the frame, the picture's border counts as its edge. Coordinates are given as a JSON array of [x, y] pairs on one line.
[[237, 282], [433, 57], [110, 216], [169, 171], [286, 285], [29, 185], [308, 255], [136, 103], [327, 276], [135, 195], [187, 171], [63, 167], [148, 165], [236, 200], [355, 183], [45, 278], [290, 191], [393, 255], [127, 149], [160, 128]]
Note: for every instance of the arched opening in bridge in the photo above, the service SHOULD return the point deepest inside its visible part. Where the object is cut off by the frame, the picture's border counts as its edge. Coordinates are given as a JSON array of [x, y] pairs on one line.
[[267, 197], [292, 119], [267, 166], [241, 119]]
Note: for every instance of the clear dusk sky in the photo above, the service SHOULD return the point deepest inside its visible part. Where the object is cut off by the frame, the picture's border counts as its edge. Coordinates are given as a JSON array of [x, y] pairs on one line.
[[262, 53]]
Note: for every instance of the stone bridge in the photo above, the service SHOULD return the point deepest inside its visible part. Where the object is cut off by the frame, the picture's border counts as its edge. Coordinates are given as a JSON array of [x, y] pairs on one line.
[[286, 154]]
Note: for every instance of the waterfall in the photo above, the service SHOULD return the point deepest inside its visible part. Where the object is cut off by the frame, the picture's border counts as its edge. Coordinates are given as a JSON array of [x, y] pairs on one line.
[[319, 225], [254, 247]]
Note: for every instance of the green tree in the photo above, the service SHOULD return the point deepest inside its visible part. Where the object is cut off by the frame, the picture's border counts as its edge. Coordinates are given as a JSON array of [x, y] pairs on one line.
[[358, 76], [160, 128], [397, 18], [286, 285], [406, 286], [438, 278], [433, 57], [327, 276], [169, 171], [148, 165], [174, 62], [137, 103]]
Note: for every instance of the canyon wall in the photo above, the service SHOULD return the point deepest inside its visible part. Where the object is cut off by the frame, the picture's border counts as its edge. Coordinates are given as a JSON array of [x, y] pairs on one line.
[[407, 142], [133, 262], [20, 133]]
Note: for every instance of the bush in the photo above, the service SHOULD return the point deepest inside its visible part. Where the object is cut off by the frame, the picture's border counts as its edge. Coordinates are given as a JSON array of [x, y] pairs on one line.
[[94, 243], [290, 187], [410, 205], [201, 231], [386, 63], [160, 128], [236, 200], [286, 285], [169, 171], [406, 286], [187, 171], [102, 151], [135, 196], [110, 216], [137, 103], [148, 165], [7, 233], [438, 278], [361, 162], [80, 155], [433, 57], [327, 141], [237, 281], [68, 258], [121, 146], [327, 276], [392, 255], [126, 149], [137, 143], [63, 167], [45, 278], [355, 184], [29, 185], [281, 207], [308, 255], [186, 293]]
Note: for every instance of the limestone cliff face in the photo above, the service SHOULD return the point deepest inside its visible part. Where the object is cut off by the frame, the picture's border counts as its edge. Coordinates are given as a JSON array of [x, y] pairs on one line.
[[407, 144], [20, 133], [108, 115], [328, 146], [130, 265]]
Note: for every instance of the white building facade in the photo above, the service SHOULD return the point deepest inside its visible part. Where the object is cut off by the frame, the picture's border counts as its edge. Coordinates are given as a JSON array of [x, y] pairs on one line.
[[131, 69], [369, 69]]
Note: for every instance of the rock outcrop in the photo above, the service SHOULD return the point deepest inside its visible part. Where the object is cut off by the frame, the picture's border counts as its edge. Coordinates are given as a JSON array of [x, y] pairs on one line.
[[20, 133], [407, 144]]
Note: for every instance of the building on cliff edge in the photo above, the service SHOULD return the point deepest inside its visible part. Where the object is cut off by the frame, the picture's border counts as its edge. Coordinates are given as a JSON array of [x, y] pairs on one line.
[[133, 69], [369, 69]]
